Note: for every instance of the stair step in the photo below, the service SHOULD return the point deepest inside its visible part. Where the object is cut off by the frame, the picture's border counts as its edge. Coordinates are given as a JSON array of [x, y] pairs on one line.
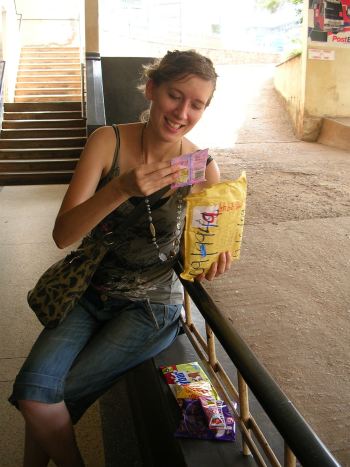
[[45, 72], [39, 115], [41, 106], [62, 123], [335, 132], [48, 84], [44, 61], [43, 49], [42, 133], [60, 78], [48, 55], [36, 178], [37, 165], [47, 91], [41, 153], [54, 66], [58, 98], [42, 143]]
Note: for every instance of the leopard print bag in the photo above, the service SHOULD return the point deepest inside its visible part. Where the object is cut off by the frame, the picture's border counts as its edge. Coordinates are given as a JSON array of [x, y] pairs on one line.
[[62, 284], [60, 287]]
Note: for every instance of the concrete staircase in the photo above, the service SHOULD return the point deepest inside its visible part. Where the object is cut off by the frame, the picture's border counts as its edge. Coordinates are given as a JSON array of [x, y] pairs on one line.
[[43, 132]]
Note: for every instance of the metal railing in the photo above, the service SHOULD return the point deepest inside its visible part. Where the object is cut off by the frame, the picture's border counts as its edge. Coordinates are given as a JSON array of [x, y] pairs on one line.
[[300, 440]]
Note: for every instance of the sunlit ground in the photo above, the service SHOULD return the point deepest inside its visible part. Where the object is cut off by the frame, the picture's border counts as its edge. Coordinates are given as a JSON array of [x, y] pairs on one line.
[[237, 86]]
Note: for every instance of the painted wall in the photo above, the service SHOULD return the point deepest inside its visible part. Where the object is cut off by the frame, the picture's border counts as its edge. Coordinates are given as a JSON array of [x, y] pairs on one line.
[[10, 47], [52, 25], [327, 91], [316, 84], [288, 82]]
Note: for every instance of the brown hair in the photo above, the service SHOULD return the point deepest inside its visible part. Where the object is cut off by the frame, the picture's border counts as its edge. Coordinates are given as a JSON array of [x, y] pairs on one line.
[[178, 64]]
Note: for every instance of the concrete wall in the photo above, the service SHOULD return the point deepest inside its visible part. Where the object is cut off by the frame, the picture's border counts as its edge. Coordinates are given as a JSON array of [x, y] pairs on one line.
[[51, 25], [327, 91], [288, 82], [10, 47], [315, 84]]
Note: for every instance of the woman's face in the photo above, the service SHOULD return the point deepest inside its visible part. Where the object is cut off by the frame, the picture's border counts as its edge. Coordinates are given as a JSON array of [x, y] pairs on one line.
[[177, 105]]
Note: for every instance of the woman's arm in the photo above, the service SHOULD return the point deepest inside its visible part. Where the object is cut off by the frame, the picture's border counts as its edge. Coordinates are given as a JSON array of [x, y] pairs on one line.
[[83, 208]]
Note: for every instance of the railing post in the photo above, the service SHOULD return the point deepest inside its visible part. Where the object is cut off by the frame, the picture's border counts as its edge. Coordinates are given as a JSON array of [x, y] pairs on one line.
[[211, 347], [244, 409], [289, 458], [188, 313]]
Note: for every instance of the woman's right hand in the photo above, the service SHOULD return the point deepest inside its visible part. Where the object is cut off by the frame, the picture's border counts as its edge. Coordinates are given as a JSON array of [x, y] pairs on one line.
[[147, 178]]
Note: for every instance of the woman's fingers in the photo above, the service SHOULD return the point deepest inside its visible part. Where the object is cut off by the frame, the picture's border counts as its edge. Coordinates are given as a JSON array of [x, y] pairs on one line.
[[220, 266], [148, 178]]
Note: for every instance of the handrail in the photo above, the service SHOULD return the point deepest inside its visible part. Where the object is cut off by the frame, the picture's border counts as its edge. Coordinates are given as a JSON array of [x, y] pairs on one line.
[[301, 439], [2, 71], [19, 15]]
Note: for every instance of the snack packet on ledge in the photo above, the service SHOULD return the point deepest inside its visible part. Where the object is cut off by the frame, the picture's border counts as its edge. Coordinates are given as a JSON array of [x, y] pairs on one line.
[[214, 224], [213, 412], [181, 375], [194, 423]]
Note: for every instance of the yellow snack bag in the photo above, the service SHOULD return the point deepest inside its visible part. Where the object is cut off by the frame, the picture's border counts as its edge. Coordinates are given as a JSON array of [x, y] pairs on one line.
[[214, 224], [195, 390]]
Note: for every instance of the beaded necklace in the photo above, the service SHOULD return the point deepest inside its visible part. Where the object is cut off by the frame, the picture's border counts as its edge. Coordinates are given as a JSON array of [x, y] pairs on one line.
[[177, 233]]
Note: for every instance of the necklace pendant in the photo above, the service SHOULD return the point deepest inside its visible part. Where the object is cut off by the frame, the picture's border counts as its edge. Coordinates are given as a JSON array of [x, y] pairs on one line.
[[163, 257], [152, 229]]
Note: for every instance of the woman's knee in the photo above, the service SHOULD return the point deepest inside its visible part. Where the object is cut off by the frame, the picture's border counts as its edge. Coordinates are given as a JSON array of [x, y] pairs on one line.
[[34, 409]]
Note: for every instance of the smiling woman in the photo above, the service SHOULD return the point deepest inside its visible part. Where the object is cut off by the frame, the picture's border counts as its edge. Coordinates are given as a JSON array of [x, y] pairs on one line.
[[130, 311]]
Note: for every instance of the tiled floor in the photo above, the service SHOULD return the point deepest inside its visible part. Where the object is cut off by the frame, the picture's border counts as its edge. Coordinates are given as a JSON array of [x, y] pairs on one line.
[[26, 249]]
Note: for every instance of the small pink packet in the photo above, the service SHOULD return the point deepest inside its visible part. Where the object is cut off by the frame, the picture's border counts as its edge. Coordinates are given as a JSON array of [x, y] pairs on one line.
[[192, 167]]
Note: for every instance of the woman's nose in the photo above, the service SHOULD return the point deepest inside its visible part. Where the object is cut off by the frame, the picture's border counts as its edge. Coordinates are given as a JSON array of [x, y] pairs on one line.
[[182, 110]]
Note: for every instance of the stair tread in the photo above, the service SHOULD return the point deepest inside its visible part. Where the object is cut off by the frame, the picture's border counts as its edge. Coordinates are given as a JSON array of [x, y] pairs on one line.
[[38, 172], [53, 159], [45, 120], [9, 130], [64, 148]]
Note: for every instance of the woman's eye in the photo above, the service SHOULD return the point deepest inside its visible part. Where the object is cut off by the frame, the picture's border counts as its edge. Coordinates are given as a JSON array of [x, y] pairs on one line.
[[174, 96], [197, 106]]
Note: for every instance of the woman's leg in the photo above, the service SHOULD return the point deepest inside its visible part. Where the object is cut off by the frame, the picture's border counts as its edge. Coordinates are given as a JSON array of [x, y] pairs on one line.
[[34, 455], [39, 390], [49, 435], [133, 333]]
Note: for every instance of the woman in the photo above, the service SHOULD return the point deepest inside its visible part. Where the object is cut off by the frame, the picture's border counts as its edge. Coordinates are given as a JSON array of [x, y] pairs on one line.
[[131, 310]]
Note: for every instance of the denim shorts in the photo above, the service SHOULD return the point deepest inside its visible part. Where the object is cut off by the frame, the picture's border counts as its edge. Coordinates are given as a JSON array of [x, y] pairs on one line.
[[97, 342]]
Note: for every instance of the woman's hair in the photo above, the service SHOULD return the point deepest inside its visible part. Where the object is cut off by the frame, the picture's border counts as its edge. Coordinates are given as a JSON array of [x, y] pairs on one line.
[[178, 64]]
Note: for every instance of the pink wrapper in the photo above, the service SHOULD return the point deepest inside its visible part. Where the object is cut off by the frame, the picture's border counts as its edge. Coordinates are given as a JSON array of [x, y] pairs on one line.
[[192, 167]]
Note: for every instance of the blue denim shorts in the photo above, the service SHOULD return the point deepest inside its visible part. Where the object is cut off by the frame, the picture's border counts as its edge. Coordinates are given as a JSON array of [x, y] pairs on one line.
[[97, 342]]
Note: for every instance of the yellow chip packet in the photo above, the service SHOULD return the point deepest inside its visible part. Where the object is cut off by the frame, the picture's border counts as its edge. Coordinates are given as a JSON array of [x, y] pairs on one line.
[[214, 224], [195, 390]]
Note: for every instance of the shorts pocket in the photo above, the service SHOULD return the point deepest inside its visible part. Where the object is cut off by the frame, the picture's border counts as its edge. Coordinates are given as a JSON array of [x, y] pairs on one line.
[[162, 315]]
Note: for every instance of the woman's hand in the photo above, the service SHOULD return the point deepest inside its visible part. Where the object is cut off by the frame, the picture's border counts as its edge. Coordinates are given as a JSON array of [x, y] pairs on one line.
[[222, 265], [147, 178]]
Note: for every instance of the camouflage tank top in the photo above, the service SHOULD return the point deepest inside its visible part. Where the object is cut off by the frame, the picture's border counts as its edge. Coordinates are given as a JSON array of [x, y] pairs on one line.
[[132, 269]]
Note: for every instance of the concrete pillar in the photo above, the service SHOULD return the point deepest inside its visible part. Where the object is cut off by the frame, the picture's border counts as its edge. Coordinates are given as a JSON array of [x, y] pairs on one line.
[[91, 26]]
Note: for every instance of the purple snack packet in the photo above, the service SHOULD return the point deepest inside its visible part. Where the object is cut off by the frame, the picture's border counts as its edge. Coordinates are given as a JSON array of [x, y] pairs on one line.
[[194, 423]]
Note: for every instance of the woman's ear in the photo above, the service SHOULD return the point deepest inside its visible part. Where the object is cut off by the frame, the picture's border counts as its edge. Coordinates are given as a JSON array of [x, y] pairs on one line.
[[149, 89]]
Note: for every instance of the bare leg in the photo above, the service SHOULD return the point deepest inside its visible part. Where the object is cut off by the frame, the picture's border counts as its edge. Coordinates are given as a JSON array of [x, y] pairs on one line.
[[50, 435], [34, 455]]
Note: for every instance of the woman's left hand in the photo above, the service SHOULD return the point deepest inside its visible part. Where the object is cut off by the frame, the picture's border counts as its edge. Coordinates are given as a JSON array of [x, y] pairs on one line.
[[222, 265]]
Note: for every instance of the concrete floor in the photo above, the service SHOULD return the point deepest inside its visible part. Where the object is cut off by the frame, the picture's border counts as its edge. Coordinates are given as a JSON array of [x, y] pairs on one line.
[[26, 249]]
